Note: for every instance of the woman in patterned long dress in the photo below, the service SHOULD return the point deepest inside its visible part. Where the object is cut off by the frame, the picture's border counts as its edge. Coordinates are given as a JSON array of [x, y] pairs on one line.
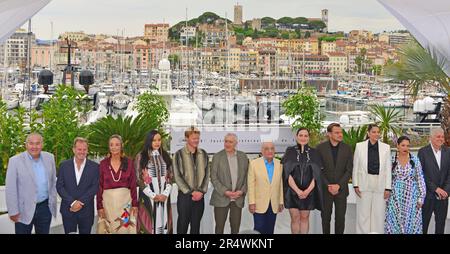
[[404, 209], [155, 184]]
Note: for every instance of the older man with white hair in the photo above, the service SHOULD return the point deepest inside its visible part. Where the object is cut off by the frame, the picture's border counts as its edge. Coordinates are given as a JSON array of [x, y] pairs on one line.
[[31, 188], [229, 170], [265, 189], [435, 161]]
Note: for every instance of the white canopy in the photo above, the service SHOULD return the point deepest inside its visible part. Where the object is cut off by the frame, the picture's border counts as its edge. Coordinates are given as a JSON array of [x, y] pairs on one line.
[[428, 21], [14, 13]]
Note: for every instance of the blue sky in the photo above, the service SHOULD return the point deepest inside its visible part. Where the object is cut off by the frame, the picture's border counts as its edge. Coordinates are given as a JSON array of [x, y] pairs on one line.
[[109, 16]]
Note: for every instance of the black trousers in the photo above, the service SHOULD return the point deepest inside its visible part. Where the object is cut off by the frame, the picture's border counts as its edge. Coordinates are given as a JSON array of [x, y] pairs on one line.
[[340, 208], [189, 213], [75, 223], [439, 207]]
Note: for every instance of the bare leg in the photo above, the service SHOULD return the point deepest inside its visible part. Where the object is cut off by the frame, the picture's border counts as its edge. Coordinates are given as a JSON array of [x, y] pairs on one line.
[[304, 222], [295, 220]]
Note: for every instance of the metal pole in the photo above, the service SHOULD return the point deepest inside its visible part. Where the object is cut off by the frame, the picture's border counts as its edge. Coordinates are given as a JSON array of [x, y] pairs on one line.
[[29, 60]]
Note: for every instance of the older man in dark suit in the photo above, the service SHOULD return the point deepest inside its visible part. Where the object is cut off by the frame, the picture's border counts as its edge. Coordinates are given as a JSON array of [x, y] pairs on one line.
[[435, 161], [229, 178], [77, 184], [337, 162]]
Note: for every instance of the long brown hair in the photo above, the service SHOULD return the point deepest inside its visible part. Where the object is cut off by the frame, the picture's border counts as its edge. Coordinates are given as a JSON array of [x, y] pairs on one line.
[[123, 158]]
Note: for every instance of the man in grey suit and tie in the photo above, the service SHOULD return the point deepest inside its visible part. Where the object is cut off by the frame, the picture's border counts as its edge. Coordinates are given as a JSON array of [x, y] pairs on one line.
[[229, 177], [31, 188]]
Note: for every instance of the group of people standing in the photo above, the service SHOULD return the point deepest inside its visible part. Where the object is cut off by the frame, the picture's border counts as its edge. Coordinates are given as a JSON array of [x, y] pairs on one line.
[[394, 194]]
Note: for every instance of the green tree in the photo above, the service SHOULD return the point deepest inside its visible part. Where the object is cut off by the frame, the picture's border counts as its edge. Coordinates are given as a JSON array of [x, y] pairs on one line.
[[268, 22], [285, 35], [270, 32], [285, 21], [328, 38], [418, 69], [387, 120], [132, 131], [12, 136], [376, 69], [305, 108], [208, 17], [300, 20], [174, 60], [61, 124], [307, 34], [317, 25], [154, 109], [361, 61]]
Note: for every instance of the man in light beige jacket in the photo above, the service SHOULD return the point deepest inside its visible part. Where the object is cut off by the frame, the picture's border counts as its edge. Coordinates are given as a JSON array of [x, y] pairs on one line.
[[265, 189]]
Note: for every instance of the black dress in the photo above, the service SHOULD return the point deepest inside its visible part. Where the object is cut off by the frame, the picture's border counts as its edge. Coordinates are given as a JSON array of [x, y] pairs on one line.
[[301, 169]]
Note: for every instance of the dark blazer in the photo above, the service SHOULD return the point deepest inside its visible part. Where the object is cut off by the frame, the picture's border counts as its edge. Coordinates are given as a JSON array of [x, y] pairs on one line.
[[434, 177], [221, 178], [67, 187], [339, 173]]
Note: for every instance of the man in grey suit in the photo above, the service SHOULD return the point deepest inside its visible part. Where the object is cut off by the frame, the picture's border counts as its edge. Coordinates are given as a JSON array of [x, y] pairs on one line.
[[435, 161], [31, 188], [337, 163], [229, 177]]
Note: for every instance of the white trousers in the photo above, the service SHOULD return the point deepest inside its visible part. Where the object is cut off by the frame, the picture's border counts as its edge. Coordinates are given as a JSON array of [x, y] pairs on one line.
[[370, 209]]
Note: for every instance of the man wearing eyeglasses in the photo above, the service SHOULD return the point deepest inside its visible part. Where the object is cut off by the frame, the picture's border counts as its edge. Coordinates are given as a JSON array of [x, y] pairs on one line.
[[265, 189]]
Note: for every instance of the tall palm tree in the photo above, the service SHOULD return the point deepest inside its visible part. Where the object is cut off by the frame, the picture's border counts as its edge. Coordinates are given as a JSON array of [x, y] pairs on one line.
[[418, 69]]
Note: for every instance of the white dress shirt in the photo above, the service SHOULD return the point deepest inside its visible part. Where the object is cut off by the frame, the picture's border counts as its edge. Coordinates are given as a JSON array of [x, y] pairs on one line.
[[79, 172], [437, 155]]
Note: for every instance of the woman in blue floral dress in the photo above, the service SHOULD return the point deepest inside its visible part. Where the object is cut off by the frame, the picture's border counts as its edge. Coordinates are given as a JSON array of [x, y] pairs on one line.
[[404, 208]]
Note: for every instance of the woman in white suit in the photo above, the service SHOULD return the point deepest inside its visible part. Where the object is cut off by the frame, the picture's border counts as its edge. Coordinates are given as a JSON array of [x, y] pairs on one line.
[[371, 181]]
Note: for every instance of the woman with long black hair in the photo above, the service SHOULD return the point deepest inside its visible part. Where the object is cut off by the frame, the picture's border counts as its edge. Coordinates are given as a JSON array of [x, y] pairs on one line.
[[154, 172], [404, 207]]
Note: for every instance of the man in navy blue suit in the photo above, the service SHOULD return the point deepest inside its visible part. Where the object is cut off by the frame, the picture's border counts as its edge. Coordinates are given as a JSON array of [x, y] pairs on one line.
[[77, 185]]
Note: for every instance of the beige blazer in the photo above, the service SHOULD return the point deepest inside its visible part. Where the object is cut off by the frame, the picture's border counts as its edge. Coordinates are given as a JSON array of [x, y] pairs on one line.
[[260, 190]]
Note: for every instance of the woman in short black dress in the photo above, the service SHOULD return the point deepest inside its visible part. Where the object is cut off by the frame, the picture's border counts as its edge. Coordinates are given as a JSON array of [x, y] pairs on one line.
[[301, 174]]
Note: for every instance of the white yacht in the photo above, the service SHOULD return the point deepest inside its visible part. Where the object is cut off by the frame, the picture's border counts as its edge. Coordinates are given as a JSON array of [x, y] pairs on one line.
[[120, 101]]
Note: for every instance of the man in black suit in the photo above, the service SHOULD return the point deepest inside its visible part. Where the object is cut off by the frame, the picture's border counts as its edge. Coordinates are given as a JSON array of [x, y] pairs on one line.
[[77, 184], [435, 161], [337, 162]]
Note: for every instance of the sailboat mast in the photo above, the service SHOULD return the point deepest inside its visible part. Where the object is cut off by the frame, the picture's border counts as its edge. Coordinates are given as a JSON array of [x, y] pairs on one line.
[[228, 55]]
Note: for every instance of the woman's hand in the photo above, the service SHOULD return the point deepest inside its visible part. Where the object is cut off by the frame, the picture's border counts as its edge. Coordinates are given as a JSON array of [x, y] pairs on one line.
[[146, 177], [134, 211], [101, 213], [160, 198], [302, 194]]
